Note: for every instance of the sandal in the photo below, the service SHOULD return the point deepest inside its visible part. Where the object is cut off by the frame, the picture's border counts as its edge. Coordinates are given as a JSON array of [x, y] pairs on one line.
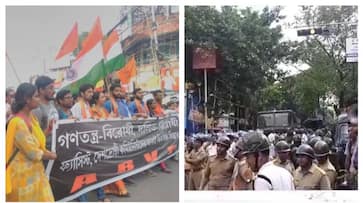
[[105, 200]]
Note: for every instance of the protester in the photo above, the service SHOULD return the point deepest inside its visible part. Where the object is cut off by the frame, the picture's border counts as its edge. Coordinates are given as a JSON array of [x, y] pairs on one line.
[[65, 102], [117, 105], [151, 105], [138, 107], [158, 97], [98, 111], [46, 113], [25, 149], [82, 109], [172, 108]]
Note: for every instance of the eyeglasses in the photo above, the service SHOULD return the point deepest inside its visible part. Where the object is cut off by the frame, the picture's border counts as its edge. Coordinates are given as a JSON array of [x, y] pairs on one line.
[[50, 87], [68, 97]]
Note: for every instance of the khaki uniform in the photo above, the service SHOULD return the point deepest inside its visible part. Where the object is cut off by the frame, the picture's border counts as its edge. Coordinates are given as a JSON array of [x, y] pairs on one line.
[[288, 165], [330, 172], [218, 173], [196, 161], [242, 176], [314, 179], [187, 170]]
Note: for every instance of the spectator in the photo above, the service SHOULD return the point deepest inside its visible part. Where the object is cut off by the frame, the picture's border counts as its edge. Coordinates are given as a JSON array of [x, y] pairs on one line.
[[10, 93], [351, 152]]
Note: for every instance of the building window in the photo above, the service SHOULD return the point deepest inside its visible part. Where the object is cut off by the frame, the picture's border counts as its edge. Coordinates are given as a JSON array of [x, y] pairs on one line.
[[174, 9]]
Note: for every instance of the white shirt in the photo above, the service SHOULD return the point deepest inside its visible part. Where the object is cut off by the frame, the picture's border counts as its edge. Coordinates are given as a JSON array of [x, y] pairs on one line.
[[231, 151], [280, 178], [212, 150], [77, 111]]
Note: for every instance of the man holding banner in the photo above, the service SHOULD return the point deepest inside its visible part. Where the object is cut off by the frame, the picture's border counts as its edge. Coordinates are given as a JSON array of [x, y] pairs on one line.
[[117, 105], [82, 109], [138, 107]]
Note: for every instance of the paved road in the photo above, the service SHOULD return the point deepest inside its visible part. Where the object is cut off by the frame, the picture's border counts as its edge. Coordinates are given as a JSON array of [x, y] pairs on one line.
[[162, 188]]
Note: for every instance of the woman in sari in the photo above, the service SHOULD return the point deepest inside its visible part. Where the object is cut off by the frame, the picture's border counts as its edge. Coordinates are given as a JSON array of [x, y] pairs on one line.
[[25, 149], [98, 111]]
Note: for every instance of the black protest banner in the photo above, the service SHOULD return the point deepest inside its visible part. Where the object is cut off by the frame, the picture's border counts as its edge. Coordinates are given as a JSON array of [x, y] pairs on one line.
[[93, 153]]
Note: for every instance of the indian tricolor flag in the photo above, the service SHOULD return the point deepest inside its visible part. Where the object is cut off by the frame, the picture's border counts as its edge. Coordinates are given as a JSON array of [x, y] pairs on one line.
[[89, 65], [112, 51]]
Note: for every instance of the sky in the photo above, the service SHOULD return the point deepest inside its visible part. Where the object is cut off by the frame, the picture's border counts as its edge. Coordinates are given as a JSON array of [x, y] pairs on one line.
[[34, 34]]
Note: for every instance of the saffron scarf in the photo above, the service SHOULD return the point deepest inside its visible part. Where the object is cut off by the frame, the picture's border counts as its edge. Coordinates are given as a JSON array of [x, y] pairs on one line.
[[141, 108]]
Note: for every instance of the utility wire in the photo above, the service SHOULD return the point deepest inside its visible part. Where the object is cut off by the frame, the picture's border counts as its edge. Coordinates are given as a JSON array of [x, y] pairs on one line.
[[12, 67]]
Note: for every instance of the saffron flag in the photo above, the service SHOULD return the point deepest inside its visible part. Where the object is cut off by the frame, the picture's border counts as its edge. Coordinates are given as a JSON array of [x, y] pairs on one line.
[[70, 43], [128, 72]]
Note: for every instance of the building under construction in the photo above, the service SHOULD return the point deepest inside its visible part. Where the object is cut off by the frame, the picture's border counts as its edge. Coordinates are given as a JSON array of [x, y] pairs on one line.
[[151, 34]]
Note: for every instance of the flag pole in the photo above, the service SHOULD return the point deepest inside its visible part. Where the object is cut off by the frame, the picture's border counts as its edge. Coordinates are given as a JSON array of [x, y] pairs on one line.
[[205, 102]]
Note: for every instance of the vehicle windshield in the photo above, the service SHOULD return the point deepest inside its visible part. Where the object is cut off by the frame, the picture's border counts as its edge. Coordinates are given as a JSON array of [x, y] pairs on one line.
[[273, 120]]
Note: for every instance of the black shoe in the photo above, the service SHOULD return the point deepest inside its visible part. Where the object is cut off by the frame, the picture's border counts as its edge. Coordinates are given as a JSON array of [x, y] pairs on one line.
[[129, 181]]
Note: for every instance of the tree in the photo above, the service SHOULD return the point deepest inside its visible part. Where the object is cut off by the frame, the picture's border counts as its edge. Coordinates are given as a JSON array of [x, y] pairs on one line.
[[248, 43], [325, 54]]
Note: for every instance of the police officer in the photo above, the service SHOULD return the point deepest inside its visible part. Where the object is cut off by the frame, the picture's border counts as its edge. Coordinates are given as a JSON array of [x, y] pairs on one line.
[[322, 151], [218, 171], [242, 173], [196, 160], [269, 176], [314, 140], [297, 139], [283, 156], [187, 167], [308, 176]]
